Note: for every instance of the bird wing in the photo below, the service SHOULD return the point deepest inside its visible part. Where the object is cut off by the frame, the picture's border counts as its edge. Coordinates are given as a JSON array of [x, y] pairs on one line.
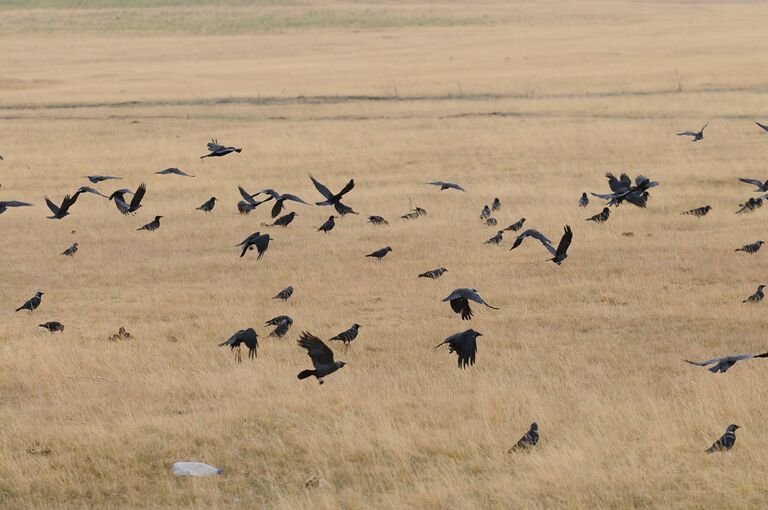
[[250, 338], [213, 146], [703, 363], [88, 189], [704, 127], [465, 346], [753, 182], [247, 196], [762, 126], [14, 203], [637, 199], [136, 200], [607, 196], [687, 133], [293, 198], [626, 181], [536, 235], [234, 339], [322, 189], [614, 183], [53, 207], [272, 193], [437, 183], [346, 189], [474, 296], [261, 242], [565, 242], [320, 353]]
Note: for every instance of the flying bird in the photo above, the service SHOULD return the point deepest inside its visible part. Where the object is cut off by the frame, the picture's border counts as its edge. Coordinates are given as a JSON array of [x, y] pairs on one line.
[[516, 226], [134, 205], [446, 185], [174, 171], [726, 441], [460, 299], [93, 191], [248, 203], [244, 336], [334, 200], [348, 335], [328, 225], [282, 322], [750, 248], [280, 200], [559, 254], [257, 240], [282, 221], [208, 206], [699, 211], [4, 205], [69, 252], [95, 179], [381, 253], [600, 217], [284, 294], [757, 296], [765, 128], [434, 274], [321, 356], [33, 302], [584, 200], [529, 439], [61, 211], [622, 189], [697, 135], [760, 186], [464, 344], [152, 225], [722, 365], [52, 326], [216, 150]]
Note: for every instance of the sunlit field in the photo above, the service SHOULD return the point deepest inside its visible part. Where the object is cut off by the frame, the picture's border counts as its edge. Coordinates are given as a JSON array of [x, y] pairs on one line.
[[530, 102]]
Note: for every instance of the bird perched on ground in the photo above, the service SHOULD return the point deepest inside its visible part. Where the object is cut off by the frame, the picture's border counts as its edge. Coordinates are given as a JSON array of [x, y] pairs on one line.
[[699, 211], [485, 213], [208, 206], [244, 336], [61, 211], [414, 213], [464, 344], [260, 241], [763, 126], [4, 205], [584, 200], [217, 150], [328, 225], [496, 205], [284, 294], [529, 440], [559, 254], [726, 441], [723, 364], [95, 179], [321, 356], [380, 254], [69, 252], [174, 171], [348, 335], [490, 222], [750, 248], [757, 296], [496, 239], [622, 189], [750, 205], [433, 274], [33, 302], [248, 203], [446, 185], [282, 221], [600, 217], [460, 299], [697, 135], [516, 226], [52, 326], [334, 200], [377, 220], [125, 208], [282, 322], [280, 200], [760, 186], [152, 225]]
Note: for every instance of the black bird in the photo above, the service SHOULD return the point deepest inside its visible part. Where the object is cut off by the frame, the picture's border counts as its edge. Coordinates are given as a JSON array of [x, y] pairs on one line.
[[722, 365], [217, 150], [490, 222], [496, 239], [208, 206], [348, 335], [697, 135], [464, 344], [244, 336], [762, 126], [757, 296], [283, 323], [485, 213], [334, 200], [321, 355], [434, 274], [726, 441], [69, 252], [584, 200], [750, 248], [601, 216], [559, 254], [760, 186], [446, 185], [328, 225], [460, 299], [52, 326], [4, 205], [260, 241], [529, 440], [496, 205], [248, 203], [750, 205], [126, 208], [377, 220], [280, 200], [152, 225], [282, 221], [516, 226], [623, 189], [61, 211], [174, 171], [95, 179], [699, 211], [284, 294], [33, 302], [88, 189], [380, 254]]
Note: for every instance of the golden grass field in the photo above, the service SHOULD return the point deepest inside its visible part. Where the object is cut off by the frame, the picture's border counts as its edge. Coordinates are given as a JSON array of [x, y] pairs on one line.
[[528, 101]]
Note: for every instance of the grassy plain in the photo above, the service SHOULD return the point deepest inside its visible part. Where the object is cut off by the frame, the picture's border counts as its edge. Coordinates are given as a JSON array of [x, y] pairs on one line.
[[528, 101]]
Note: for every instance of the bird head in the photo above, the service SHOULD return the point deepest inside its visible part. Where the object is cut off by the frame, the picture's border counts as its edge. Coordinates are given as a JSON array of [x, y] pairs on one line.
[[522, 220], [761, 287], [708, 207], [356, 325], [732, 427], [534, 426], [75, 245], [213, 199], [158, 217], [444, 269], [584, 195], [239, 150], [760, 242], [340, 364], [605, 210], [388, 248]]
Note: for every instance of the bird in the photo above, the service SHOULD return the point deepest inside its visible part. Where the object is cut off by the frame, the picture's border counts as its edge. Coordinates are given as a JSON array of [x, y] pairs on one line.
[[559, 254], [750, 205], [584, 200], [485, 213], [284, 294], [321, 356], [496, 205], [601, 216], [697, 135], [699, 211], [216, 150], [496, 239], [381, 253], [529, 439], [282, 322], [32, 303], [446, 185], [134, 205], [434, 274], [52, 326], [377, 220], [152, 225], [4, 205], [763, 126], [208, 206], [721, 365], [348, 335], [760, 186], [95, 179], [464, 344], [280, 200], [460, 299], [248, 203], [282, 221], [260, 241], [69, 252], [490, 222], [244, 336], [334, 200], [328, 225], [726, 441], [516, 226], [88, 189], [61, 211], [750, 248], [174, 171], [622, 189], [757, 296]]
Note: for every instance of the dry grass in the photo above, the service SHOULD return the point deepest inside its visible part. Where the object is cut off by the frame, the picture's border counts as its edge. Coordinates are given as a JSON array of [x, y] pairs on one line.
[[531, 106]]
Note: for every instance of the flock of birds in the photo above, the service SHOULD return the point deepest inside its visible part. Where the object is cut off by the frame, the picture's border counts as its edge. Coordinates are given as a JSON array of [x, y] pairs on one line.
[[463, 344]]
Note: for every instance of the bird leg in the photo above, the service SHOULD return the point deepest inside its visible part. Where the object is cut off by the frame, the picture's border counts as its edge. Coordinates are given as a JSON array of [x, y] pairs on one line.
[[320, 380], [238, 355]]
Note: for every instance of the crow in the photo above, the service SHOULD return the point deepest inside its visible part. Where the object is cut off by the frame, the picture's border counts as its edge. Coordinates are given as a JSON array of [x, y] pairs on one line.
[[750, 248], [496, 239], [757, 296], [460, 298], [528, 440], [464, 344], [750, 205], [334, 200], [152, 225], [348, 335], [217, 150], [496, 205], [721, 365], [434, 274], [244, 336], [377, 220], [726, 441], [559, 254], [248, 203], [321, 356], [284, 294], [760, 186], [516, 226], [623, 189], [280, 200], [765, 128], [125, 208], [88, 189], [69, 252], [208, 206], [52, 326], [174, 171], [485, 213], [260, 241], [697, 135], [61, 211], [600, 217], [282, 221], [699, 211], [33, 302], [4, 205], [490, 222], [446, 185], [380, 254], [584, 200], [283, 323], [95, 179], [328, 225]]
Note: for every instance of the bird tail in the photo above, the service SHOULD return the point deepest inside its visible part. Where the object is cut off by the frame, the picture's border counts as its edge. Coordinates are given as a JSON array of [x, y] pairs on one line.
[[711, 449], [207, 155], [306, 373], [239, 150], [19, 308]]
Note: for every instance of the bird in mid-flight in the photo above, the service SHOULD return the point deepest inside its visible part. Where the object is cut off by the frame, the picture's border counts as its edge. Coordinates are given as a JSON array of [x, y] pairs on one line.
[[697, 135], [95, 179], [529, 439], [460, 298], [434, 274], [61, 211], [280, 200], [334, 200], [52, 326], [248, 203], [721, 365], [559, 254], [257, 240], [446, 185], [760, 186], [763, 126], [126, 208], [757, 296], [751, 248], [464, 344], [208, 206], [174, 171], [321, 356], [217, 150], [244, 336], [622, 190], [152, 225], [4, 205], [699, 211], [726, 441], [32, 303], [282, 322], [381, 253]]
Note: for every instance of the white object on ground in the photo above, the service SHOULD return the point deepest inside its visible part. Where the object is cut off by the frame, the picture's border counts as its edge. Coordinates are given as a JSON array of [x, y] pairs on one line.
[[194, 469]]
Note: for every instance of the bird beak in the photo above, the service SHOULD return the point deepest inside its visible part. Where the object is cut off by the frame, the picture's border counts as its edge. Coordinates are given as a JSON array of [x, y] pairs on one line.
[[479, 334]]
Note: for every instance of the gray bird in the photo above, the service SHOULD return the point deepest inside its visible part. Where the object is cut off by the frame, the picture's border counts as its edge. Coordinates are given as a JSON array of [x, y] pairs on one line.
[[282, 322], [485, 213], [33, 302], [69, 252], [446, 185], [4, 205], [348, 335], [559, 254], [280, 200], [697, 135], [490, 222], [321, 356], [757, 296], [622, 190], [282, 221], [434, 274], [529, 440], [134, 205], [516, 226], [208, 206], [173, 171], [726, 441], [248, 203], [460, 299], [750, 205], [496, 205], [93, 191], [244, 336], [760, 186], [721, 365], [152, 225], [601, 217], [763, 126], [328, 225], [496, 239], [377, 220], [259, 241], [216, 150], [284, 294], [380, 254], [699, 212], [52, 326], [584, 200], [95, 179], [750, 248], [61, 211], [464, 344], [334, 200]]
